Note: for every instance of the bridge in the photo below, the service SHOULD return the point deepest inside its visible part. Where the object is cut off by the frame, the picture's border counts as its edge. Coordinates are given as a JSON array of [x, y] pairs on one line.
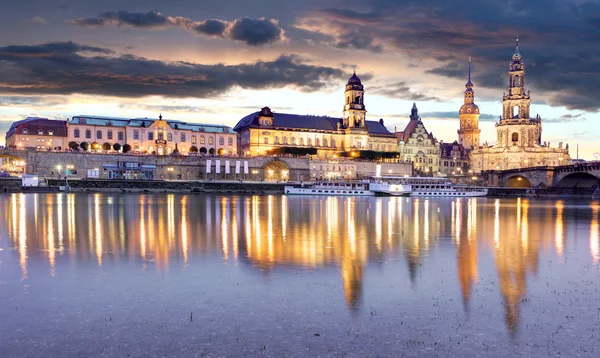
[[575, 176]]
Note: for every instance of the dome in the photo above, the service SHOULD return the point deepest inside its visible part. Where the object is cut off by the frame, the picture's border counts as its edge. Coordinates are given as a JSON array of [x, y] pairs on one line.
[[469, 108], [354, 80]]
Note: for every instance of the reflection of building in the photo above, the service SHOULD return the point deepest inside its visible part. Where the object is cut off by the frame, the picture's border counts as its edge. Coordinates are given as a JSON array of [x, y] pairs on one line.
[[519, 141], [40, 133], [262, 131], [152, 136], [418, 146]]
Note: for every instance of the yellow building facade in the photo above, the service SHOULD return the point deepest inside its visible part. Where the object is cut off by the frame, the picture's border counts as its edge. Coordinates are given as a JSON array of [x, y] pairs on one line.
[[261, 132]]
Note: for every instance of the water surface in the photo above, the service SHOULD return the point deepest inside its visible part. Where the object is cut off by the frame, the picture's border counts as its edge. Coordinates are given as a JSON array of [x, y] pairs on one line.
[[202, 275]]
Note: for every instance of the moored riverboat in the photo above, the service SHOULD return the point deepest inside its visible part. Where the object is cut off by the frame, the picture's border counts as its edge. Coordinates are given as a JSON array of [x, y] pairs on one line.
[[436, 187]]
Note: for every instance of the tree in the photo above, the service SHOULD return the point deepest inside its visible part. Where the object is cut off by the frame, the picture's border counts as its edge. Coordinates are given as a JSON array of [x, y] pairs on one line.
[[117, 147], [293, 151], [211, 151], [126, 148], [74, 145], [85, 146], [203, 150], [106, 146], [95, 146], [193, 149]]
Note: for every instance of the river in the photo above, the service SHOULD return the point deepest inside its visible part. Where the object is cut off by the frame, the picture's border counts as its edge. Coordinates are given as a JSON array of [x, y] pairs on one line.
[[206, 275]]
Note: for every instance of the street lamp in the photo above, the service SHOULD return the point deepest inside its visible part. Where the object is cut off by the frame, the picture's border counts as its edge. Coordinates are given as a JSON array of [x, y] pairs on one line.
[[58, 167]]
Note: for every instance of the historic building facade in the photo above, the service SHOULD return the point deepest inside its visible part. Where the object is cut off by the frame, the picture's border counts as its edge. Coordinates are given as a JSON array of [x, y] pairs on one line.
[[39, 133], [263, 131], [454, 159], [150, 136], [519, 137], [468, 134], [418, 146]]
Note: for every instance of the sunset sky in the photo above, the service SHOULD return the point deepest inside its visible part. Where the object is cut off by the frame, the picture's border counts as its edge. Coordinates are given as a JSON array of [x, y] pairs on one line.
[[216, 61]]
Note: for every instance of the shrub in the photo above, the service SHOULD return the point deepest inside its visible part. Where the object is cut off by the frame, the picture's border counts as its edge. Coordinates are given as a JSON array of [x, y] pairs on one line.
[[193, 149], [74, 145], [126, 148], [85, 146], [117, 147], [106, 146]]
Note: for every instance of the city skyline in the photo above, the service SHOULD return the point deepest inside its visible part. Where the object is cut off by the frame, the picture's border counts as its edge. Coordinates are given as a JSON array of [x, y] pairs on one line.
[[217, 62]]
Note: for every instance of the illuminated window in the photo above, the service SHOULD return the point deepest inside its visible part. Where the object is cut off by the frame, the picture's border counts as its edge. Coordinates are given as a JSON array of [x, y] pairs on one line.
[[50, 132], [202, 139], [266, 140], [25, 131], [170, 137], [193, 139], [317, 142], [211, 140], [333, 143]]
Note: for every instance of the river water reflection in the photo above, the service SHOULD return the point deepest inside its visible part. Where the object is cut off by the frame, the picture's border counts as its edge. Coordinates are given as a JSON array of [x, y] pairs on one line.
[[192, 275]]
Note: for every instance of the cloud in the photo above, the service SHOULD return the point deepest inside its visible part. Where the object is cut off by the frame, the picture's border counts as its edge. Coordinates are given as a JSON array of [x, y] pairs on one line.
[[453, 115], [38, 20], [253, 32], [565, 118], [30, 101], [60, 68], [401, 90], [557, 40]]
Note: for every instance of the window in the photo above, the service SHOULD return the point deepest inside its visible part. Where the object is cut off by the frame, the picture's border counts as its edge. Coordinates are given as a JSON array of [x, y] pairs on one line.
[[98, 134], [40, 132], [333, 143], [170, 137], [230, 141], [25, 131], [221, 141], [120, 135], [285, 140], [515, 137], [301, 141], [136, 134], [276, 139], [293, 140], [75, 133], [202, 139], [151, 148], [183, 137], [150, 137], [325, 143], [88, 134], [160, 136], [50, 132], [266, 140], [310, 142], [193, 139], [109, 135], [317, 142], [211, 141]]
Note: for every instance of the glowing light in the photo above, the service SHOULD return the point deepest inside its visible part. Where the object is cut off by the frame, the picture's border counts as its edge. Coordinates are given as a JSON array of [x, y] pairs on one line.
[[594, 233], [497, 222], [558, 228], [98, 228]]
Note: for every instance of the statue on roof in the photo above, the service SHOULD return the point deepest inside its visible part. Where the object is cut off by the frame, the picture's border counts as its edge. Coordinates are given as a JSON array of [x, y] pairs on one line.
[[414, 113]]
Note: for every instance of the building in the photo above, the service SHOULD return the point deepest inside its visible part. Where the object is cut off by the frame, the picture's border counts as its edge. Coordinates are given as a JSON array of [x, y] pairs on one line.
[[468, 134], [39, 133], [418, 146], [149, 136], [454, 159], [519, 137], [263, 131]]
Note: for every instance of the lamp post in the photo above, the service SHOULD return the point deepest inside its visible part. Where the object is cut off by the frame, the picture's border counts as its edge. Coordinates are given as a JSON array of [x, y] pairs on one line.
[[596, 155], [58, 168]]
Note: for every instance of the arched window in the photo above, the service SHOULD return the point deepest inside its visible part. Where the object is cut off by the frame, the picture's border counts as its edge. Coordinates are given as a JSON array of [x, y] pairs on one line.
[[109, 134], [211, 141], [76, 133], [301, 141], [317, 142], [515, 137], [24, 131], [310, 142], [193, 139], [230, 141], [202, 139], [325, 143], [51, 132], [221, 141], [276, 139], [88, 133], [170, 137], [285, 140], [293, 140], [98, 134], [40, 132], [333, 143]]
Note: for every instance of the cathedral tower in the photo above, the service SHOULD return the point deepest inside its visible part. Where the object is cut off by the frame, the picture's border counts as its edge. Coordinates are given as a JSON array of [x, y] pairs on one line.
[[468, 134], [354, 108], [516, 103]]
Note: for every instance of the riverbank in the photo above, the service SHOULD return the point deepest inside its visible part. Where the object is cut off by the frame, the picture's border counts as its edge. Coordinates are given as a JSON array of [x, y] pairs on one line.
[[13, 185]]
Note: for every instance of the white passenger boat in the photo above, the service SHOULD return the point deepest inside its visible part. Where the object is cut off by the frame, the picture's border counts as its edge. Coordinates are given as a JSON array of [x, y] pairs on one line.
[[436, 187], [330, 188]]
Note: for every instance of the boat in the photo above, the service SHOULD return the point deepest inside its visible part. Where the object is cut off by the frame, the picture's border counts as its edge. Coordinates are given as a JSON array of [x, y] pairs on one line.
[[362, 188], [436, 187], [330, 188]]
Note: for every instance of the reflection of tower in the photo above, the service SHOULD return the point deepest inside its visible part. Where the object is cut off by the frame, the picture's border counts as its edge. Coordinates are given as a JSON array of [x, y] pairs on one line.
[[468, 134], [467, 268], [352, 276]]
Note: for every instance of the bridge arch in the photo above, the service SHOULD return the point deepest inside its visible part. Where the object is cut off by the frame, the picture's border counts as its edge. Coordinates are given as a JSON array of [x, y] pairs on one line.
[[517, 181], [13, 160], [276, 170], [579, 180]]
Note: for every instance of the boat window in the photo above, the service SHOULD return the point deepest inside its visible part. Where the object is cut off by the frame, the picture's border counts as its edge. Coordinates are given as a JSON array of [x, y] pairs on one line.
[[314, 191]]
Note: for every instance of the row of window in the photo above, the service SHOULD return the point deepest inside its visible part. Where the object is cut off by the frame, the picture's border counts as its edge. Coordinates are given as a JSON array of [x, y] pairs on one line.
[[160, 136], [451, 164], [309, 141], [40, 131]]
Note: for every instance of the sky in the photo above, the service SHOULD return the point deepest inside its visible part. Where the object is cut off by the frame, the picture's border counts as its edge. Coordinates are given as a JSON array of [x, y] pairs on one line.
[[217, 61]]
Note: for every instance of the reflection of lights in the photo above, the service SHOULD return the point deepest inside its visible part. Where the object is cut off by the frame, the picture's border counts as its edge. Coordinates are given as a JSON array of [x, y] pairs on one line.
[[184, 230], [594, 228], [98, 228], [497, 222], [378, 223], [558, 237], [22, 236], [426, 222], [224, 224], [50, 236], [525, 227]]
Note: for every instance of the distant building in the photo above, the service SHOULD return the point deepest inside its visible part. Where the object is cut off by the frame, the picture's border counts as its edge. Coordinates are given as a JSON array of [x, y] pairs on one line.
[[418, 146], [454, 159], [149, 136], [39, 133], [519, 143], [263, 131], [468, 134]]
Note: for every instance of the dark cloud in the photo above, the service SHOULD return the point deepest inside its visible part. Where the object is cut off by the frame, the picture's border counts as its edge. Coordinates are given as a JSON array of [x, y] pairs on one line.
[[565, 118], [453, 115], [254, 32], [558, 40], [60, 68], [30, 101], [401, 90]]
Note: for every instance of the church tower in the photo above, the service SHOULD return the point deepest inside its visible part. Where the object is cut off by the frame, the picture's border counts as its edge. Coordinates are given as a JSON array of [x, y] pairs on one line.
[[468, 134], [354, 108], [516, 103]]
